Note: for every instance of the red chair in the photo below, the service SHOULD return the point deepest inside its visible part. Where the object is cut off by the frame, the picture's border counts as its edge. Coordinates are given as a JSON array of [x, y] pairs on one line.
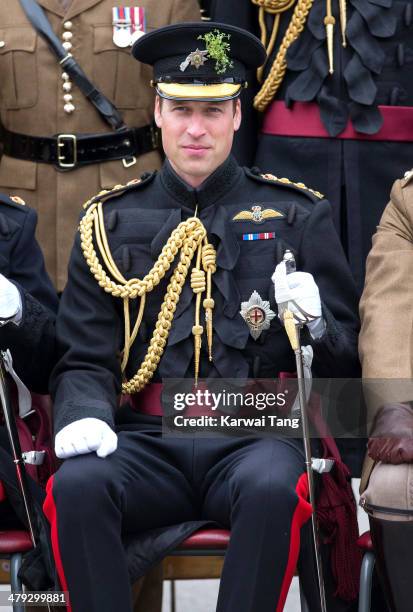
[[13, 545]]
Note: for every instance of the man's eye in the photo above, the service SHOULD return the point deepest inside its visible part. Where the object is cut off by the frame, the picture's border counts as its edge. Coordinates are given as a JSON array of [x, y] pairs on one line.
[[213, 109], [181, 108]]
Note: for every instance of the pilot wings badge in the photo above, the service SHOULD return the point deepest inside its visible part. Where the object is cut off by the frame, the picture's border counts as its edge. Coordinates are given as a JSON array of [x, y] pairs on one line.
[[257, 214]]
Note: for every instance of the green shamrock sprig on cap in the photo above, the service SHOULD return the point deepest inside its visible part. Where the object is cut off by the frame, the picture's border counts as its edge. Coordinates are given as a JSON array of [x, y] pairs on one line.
[[218, 49]]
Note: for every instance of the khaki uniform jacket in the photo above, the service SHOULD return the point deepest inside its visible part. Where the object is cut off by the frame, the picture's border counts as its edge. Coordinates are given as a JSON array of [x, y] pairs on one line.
[[31, 102], [386, 307]]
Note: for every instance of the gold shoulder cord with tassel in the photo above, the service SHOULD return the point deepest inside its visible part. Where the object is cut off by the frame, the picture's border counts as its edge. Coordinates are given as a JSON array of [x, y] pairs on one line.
[[189, 237], [277, 72], [279, 67], [272, 7]]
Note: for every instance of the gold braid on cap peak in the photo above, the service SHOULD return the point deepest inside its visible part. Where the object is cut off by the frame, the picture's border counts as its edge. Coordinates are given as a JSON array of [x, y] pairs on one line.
[[295, 27], [286, 181], [189, 237]]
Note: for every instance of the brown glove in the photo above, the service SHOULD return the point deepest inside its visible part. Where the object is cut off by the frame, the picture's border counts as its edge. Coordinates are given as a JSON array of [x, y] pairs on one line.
[[392, 435]]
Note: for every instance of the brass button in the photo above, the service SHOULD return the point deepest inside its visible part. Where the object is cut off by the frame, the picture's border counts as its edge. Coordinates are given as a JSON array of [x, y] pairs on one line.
[[68, 25], [2, 44], [67, 45], [67, 35]]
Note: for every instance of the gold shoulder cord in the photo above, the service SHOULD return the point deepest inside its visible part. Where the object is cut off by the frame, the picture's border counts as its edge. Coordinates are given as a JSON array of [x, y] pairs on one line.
[[286, 181], [295, 27], [189, 237], [273, 7]]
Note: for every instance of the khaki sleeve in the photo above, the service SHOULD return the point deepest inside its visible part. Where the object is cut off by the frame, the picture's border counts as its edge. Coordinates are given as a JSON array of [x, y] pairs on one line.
[[185, 10], [386, 306]]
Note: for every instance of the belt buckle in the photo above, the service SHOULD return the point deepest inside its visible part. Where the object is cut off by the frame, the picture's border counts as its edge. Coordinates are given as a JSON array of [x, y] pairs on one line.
[[62, 141], [129, 161]]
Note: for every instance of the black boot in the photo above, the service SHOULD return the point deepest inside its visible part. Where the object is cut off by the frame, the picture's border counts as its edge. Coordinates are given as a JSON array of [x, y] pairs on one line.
[[393, 548]]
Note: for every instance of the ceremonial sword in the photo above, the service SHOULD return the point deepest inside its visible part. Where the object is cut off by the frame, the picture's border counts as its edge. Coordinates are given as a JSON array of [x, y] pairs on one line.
[[293, 328], [16, 451]]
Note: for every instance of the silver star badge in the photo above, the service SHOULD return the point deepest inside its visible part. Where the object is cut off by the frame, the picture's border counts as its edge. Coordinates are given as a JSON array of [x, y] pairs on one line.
[[257, 314], [196, 58]]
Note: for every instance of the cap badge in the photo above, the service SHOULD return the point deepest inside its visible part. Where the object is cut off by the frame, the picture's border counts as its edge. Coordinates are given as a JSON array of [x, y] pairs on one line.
[[257, 314], [196, 58], [257, 214]]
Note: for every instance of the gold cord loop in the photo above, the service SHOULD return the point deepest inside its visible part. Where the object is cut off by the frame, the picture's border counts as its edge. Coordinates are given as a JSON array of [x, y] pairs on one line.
[[186, 239]]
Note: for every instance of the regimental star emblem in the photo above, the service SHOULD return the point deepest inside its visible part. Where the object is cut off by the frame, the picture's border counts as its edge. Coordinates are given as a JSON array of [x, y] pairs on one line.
[[257, 314], [196, 58], [257, 214]]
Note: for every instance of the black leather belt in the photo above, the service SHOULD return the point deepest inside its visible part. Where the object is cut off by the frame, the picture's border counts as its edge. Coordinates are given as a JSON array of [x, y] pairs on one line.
[[69, 151]]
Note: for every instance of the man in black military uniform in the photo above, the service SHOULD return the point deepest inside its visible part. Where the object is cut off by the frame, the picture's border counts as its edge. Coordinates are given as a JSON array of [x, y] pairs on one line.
[[28, 306], [28, 301], [130, 262]]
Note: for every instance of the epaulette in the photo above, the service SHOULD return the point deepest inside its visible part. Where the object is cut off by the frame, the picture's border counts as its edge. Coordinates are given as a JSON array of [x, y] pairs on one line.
[[256, 175], [13, 200], [107, 194], [408, 176]]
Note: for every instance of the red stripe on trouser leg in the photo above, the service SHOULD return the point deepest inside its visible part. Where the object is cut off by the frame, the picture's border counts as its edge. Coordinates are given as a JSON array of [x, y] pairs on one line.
[[49, 508], [301, 515]]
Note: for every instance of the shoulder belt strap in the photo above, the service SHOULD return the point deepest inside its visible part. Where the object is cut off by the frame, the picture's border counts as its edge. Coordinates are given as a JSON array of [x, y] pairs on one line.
[[105, 107]]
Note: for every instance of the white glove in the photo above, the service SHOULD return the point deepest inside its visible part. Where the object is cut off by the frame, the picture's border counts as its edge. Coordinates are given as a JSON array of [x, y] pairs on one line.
[[299, 293], [85, 436], [10, 302]]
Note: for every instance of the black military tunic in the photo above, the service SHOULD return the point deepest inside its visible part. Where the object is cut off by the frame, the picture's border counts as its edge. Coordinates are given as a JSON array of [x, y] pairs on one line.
[[86, 383], [139, 222], [32, 343]]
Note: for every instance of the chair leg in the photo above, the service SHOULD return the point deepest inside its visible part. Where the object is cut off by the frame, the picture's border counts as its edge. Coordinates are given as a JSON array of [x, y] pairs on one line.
[[173, 596], [366, 579], [15, 582], [303, 601]]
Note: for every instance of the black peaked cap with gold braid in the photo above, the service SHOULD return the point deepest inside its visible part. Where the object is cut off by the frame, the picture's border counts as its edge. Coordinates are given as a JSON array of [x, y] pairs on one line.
[[201, 60]]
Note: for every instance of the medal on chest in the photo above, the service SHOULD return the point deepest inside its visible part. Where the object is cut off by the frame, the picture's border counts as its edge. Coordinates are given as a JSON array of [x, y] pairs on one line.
[[128, 24]]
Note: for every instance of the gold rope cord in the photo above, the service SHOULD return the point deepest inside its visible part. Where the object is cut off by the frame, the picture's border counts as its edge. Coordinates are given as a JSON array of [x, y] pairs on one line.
[[279, 67], [273, 7], [186, 238]]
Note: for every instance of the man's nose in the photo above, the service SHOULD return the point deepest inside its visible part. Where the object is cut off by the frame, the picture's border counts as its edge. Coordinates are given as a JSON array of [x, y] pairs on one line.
[[196, 126]]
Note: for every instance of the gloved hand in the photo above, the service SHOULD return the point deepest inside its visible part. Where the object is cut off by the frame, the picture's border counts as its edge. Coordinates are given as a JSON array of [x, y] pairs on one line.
[[85, 436], [10, 302], [391, 438], [299, 293]]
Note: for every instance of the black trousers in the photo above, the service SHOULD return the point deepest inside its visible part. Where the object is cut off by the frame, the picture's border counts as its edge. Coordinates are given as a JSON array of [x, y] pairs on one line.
[[255, 487]]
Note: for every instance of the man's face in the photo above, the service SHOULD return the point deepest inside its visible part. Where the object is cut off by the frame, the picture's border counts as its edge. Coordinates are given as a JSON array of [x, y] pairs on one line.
[[197, 136]]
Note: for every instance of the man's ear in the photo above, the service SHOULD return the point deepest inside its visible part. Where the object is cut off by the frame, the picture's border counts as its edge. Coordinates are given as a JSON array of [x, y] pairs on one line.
[[237, 115], [158, 112]]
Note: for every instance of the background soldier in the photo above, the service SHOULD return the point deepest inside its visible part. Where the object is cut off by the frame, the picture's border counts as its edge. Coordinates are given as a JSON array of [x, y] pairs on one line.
[[344, 131], [137, 480], [387, 359], [38, 100]]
